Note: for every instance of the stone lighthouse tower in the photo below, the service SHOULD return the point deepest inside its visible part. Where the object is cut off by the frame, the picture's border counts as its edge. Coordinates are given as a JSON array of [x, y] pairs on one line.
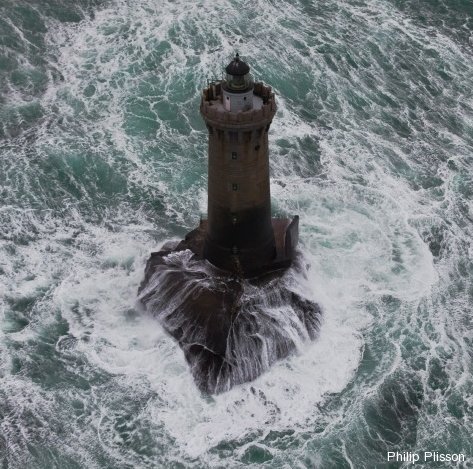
[[226, 332], [240, 234]]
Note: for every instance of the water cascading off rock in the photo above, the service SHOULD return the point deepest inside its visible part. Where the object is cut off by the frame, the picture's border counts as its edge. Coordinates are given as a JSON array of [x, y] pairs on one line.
[[226, 292]]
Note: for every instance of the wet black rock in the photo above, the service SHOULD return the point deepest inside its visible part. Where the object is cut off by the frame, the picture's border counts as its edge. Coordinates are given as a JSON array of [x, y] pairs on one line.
[[230, 329]]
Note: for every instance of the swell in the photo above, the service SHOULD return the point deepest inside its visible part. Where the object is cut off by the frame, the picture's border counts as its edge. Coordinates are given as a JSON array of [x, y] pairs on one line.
[[372, 146]]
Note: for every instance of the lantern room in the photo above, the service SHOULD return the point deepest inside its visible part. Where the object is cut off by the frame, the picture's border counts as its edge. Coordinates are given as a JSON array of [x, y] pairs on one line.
[[238, 86]]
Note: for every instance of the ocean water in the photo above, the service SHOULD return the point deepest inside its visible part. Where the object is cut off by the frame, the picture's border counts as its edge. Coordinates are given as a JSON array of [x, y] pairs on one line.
[[103, 159]]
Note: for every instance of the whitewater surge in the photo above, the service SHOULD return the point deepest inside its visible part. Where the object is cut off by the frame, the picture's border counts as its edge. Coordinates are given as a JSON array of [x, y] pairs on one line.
[[103, 158]]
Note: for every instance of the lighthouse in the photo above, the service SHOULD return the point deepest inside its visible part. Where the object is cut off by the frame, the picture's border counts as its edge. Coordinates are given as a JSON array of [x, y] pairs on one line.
[[222, 292], [240, 235]]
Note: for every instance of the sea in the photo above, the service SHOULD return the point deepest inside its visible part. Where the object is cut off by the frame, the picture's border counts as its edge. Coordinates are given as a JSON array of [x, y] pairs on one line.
[[103, 158]]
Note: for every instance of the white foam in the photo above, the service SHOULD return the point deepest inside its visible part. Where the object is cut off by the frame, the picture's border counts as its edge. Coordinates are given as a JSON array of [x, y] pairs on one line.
[[360, 221]]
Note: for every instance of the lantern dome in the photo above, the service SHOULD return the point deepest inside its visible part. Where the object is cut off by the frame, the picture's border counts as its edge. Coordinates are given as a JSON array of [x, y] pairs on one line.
[[238, 75]]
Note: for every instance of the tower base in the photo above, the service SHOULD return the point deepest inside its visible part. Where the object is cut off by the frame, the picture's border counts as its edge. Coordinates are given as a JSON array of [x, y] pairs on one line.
[[276, 254], [231, 329]]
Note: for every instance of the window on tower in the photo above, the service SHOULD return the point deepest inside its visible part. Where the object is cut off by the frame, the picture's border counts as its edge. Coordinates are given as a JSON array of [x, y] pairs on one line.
[[234, 187], [234, 155]]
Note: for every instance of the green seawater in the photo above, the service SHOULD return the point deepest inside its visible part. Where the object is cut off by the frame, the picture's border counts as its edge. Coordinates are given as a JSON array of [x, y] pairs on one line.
[[103, 158]]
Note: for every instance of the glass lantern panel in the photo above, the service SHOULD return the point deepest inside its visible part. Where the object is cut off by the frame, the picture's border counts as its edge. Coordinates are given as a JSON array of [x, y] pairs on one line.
[[238, 83]]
